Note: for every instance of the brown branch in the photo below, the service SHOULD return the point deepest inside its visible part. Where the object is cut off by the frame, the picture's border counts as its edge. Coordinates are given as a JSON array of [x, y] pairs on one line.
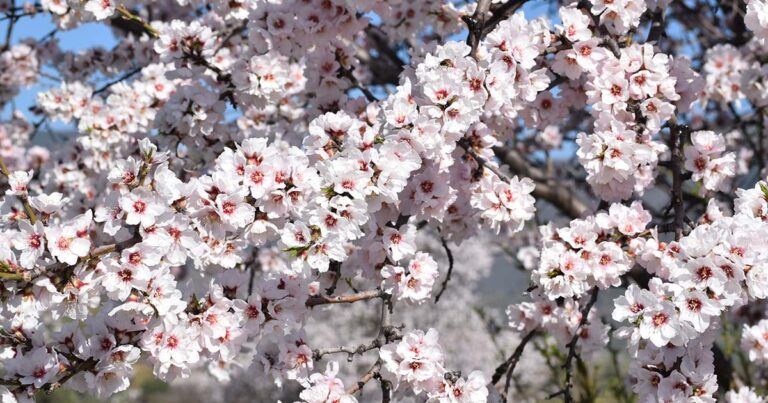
[[221, 77], [476, 24], [335, 270], [347, 72], [387, 334], [479, 24], [358, 386], [9, 32], [384, 70], [481, 162], [351, 351], [229, 34], [657, 26], [743, 125], [255, 265], [316, 300], [675, 165], [386, 389], [502, 13], [518, 352], [560, 195]]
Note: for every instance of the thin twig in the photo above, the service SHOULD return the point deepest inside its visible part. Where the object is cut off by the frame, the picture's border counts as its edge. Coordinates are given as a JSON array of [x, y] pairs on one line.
[[335, 269], [608, 40], [351, 351], [508, 366], [255, 265], [119, 79], [568, 366], [560, 194], [450, 269], [346, 72]]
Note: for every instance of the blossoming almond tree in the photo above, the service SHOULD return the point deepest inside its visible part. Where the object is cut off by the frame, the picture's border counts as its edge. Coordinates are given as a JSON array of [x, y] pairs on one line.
[[245, 170]]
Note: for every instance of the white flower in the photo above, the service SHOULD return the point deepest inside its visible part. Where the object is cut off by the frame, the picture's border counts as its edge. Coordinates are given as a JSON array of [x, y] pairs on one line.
[[65, 244], [120, 280], [31, 242], [659, 324], [400, 243], [18, 182], [37, 367], [141, 207], [100, 9]]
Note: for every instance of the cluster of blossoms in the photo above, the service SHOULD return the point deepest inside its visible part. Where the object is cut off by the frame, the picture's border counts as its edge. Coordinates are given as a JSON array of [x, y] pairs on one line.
[[357, 169], [744, 395], [326, 387], [19, 67], [417, 361], [563, 320], [725, 67], [593, 252], [735, 75], [80, 11], [633, 94], [14, 144], [706, 160], [756, 18], [249, 163], [716, 266], [754, 340], [672, 320]]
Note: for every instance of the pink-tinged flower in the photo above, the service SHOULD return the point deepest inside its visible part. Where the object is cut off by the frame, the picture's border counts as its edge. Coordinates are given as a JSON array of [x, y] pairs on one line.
[[660, 324], [399, 243], [141, 207], [37, 367], [65, 244], [18, 183], [31, 242]]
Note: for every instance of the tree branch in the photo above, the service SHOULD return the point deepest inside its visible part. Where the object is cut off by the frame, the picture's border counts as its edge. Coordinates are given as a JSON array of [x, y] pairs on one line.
[[351, 351], [135, 19], [676, 149], [316, 300], [358, 386], [560, 195]]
